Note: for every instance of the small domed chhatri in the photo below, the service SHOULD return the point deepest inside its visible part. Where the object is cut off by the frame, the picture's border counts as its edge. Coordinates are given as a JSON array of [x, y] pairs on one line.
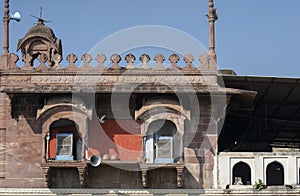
[[39, 39], [42, 30]]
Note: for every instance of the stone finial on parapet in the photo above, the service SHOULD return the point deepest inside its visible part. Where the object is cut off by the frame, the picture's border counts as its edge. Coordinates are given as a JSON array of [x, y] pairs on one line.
[[144, 58], [27, 58], [57, 59], [13, 59], [174, 58], [86, 59], [130, 58], [71, 58], [100, 58], [188, 59], [115, 59], [159, 59], [42, 58]]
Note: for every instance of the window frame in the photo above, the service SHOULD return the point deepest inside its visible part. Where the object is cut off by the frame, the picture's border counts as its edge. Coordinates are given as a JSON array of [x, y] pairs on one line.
[[68, 156]]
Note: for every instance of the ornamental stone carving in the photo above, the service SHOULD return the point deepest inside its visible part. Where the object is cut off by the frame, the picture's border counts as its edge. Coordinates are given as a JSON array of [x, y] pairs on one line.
[[100, 58], [86, 59], [40, 39], [130, 58], [174, 58], [159, 59], [188, 59], [57, 59], [71, 58], [13, 59], [144, 58], [42, 58], [27, 59], [115, 59]]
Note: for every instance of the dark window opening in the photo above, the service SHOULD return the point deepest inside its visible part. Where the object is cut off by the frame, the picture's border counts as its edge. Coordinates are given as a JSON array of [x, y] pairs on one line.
[[241, 174], [275, 174]]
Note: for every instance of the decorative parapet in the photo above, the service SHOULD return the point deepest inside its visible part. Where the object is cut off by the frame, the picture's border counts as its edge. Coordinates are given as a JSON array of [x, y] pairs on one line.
[[206, 63], [128, 76]]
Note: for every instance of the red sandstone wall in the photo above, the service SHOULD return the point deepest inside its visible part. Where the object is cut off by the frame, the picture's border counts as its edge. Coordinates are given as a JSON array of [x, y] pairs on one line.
[[24, 155]]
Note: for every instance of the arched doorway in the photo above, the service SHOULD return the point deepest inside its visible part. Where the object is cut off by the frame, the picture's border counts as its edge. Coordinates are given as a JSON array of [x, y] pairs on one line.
[[241, 173], [65, 142], [162, 142], [275, 174]]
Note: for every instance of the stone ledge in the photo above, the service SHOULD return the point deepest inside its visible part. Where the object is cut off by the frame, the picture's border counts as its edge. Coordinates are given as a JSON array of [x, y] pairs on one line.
[[178, 192]]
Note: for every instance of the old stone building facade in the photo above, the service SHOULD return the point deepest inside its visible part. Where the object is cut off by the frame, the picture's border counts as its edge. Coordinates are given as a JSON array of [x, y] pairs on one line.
[[126, 125]]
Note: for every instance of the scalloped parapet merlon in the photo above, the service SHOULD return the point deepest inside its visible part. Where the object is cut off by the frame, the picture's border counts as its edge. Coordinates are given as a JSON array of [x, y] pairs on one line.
[[117, 63]]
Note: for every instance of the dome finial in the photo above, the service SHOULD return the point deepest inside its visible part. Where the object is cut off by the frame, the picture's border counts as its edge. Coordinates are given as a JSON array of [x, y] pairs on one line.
[[40, 19]]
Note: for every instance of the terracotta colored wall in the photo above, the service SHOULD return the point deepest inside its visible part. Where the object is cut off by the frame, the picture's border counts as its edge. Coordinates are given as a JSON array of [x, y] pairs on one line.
[[112, 138]]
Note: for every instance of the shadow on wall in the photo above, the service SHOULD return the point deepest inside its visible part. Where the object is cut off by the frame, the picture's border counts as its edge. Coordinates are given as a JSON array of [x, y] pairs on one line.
[[26, 107], [64, 178], [106, 176]]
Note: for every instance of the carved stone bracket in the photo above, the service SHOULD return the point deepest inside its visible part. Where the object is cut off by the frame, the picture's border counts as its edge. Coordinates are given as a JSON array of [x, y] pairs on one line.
[[144, 178], [82, 176], [80, 166], [145, 167], [47, 176], [179, 169]]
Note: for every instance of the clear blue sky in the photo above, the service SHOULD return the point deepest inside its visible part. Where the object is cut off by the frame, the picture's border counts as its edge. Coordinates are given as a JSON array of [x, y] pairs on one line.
[[253, 37]]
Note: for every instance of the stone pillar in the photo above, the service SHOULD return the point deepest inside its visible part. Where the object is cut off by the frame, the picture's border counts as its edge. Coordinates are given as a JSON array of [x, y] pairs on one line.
[[5, 28]]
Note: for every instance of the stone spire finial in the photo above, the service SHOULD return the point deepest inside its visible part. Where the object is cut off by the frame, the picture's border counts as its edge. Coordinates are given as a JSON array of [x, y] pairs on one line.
[[212, 17]]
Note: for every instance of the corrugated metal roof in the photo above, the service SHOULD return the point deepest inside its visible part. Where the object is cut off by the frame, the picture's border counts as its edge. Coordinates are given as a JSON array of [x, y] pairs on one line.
[[274, 120]]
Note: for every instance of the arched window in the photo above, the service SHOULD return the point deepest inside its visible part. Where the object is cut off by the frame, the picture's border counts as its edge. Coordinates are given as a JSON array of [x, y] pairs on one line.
[[241, 174], [162, 142], [275, 174], [65, 143]]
